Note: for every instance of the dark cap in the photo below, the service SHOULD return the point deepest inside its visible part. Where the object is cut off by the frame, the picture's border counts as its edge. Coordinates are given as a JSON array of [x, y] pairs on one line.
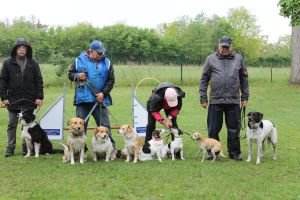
[[225, 41]]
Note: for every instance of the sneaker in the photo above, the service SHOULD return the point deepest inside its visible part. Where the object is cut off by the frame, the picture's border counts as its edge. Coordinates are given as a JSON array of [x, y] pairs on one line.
[[9, 152], [236, 157], [209, 157]]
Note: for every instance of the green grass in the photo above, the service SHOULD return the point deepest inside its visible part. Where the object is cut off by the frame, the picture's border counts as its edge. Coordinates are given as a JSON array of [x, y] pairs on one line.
[[48, 178]]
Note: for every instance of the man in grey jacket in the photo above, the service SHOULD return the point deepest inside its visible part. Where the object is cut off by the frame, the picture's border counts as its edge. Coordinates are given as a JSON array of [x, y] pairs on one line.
[[229, 92]]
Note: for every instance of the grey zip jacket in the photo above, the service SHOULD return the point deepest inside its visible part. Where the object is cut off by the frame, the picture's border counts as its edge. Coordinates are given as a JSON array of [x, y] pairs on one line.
[[228, 78]]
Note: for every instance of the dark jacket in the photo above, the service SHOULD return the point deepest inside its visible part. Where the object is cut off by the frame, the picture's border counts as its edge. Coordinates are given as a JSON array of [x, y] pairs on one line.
[[156, 101], [21, 89], [108, 85], [228, 79]]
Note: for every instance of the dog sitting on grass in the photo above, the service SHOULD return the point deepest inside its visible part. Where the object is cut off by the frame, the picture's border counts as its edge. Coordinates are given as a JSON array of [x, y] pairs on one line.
[[76, 141], [133, 143], [35, 137]]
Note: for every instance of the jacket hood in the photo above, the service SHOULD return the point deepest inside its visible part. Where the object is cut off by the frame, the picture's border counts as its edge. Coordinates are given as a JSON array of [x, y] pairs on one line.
[[19, 42], [164, 85]]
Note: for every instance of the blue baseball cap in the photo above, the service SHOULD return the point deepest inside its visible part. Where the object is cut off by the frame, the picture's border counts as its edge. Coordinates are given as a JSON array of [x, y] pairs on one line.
[[97, 46]]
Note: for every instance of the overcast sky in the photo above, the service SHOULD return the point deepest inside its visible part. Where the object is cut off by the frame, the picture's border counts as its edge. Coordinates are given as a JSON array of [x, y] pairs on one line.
[[142, 13]]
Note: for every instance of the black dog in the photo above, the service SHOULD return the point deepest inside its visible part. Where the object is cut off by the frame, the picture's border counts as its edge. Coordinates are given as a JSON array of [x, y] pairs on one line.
[[34, 135]]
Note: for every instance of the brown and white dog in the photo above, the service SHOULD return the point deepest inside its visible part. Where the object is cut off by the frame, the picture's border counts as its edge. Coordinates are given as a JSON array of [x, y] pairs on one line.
[[208, 144], [76, 141], [102, 144], [133, 143], [258, 131]]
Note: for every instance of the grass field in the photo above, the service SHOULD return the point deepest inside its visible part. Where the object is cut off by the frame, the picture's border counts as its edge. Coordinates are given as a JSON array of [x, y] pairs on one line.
[[48, 178]]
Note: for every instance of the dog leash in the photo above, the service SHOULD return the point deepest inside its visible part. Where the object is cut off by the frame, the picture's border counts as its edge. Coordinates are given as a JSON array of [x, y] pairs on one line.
[[243, 121], [94, 91], [184, 132]]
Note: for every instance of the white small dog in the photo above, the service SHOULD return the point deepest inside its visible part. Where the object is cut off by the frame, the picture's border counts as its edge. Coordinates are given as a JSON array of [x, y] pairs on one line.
[[258, 131], [102, 144], [153, 147], [175, 146], [133, 143]]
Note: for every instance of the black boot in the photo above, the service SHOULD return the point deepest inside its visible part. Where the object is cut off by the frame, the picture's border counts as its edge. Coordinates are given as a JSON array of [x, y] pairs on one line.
[[9, 152]]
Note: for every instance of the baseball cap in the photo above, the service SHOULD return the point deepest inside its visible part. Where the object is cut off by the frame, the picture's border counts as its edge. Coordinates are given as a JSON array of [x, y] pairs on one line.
[[97, 46], [171, 97], [225, 41]]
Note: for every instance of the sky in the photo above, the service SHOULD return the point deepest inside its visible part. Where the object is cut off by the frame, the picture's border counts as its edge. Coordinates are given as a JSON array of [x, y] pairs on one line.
[[142, 13]]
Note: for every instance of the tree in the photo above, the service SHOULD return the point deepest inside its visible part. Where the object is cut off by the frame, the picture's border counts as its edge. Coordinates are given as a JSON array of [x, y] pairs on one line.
[[246, 39], [291, 9]]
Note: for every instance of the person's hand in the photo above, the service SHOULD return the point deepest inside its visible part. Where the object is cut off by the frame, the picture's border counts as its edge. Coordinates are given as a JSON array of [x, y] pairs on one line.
[[204, 105], [82, 76], [243, 103], [38, 102], [100, 97], [5, 102], [168, 123]]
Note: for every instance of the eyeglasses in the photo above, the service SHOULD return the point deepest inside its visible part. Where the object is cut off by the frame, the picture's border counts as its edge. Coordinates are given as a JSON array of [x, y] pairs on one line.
[[98, 53]]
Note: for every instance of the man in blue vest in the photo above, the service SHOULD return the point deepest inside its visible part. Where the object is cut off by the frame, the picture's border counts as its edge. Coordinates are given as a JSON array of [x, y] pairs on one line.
[[94, 67]]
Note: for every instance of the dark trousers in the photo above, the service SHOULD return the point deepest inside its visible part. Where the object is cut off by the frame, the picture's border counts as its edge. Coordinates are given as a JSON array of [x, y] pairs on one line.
[[232, 119], [152, 125], [12, 129], [100, 115]]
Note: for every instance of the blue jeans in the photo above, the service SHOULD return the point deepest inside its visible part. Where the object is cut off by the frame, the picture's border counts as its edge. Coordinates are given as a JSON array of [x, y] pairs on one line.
[[100, 114]]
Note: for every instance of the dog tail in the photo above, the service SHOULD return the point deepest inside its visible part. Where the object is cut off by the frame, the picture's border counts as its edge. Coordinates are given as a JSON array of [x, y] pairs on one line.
[[58, 151], [66, 148], [221, 154]]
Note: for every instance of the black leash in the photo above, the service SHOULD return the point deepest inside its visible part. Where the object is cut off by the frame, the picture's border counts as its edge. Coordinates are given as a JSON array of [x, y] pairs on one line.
[[94, 91], [243, 120], [185, 132]]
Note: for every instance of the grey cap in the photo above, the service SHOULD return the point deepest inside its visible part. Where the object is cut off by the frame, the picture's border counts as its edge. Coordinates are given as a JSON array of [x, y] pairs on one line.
[[225, 41]]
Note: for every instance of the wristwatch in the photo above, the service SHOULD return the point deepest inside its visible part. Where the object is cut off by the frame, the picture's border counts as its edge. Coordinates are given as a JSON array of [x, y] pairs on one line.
[[170, 117]]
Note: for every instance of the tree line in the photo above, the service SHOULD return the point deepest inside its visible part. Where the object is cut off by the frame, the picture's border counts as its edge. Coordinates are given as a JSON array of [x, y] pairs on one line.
[[188, 40]]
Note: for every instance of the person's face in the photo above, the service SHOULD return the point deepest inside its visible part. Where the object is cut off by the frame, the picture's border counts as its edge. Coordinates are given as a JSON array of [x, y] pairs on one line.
[[21, 51], [94, 55], [224, 50]]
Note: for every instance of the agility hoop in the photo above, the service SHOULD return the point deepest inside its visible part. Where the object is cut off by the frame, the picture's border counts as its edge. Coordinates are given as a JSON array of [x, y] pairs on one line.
[[147, 78]]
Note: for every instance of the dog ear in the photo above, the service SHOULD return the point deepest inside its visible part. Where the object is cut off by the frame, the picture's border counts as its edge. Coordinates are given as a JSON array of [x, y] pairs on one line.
[[249, 114], [95, 130], [129, 129], [261, 116], [180, 132]]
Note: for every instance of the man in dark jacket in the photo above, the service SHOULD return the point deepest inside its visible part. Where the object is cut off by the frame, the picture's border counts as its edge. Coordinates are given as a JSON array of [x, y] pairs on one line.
[[93, 67], [166, 96], [228, 77], [21, 87]]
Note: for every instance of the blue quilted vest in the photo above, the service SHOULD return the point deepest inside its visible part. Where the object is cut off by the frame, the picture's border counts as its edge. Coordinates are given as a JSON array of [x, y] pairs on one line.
[[97, 73]]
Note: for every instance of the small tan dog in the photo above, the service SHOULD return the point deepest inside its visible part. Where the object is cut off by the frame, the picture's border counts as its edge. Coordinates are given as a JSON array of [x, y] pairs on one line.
[[102, 144], [208, 144], [76, 141], [133, 143]]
